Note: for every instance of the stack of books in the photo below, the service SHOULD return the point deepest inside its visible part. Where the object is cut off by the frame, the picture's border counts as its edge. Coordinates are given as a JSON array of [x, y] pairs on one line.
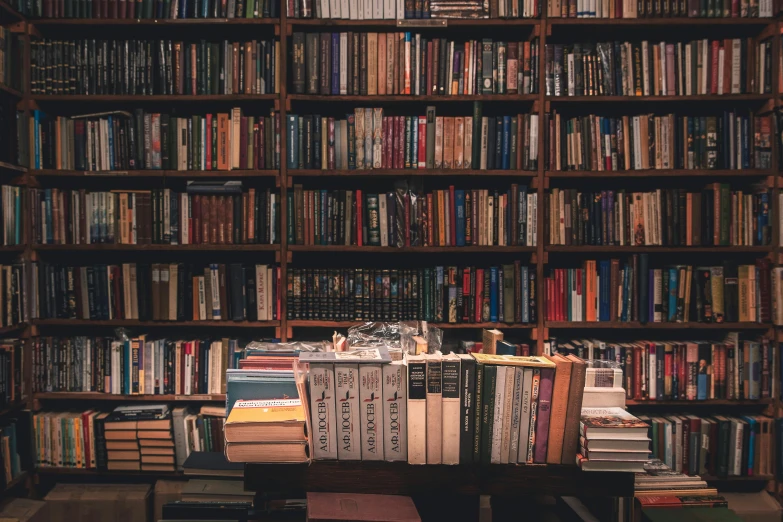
[[611, 439], [659, 479], [139, 437], [198, 432], [267, 431]]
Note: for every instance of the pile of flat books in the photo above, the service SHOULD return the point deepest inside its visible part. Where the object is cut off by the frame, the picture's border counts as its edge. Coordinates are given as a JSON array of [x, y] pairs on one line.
[[611, 439], [265, 431], [138, 437], [658, 481]]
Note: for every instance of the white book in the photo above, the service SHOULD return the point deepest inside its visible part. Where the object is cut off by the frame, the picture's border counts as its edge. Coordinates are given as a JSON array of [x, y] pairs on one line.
[[451, 408], [417, 409], [645, 68], [335, 9], [434, 409], [721, 67], [370, 411], [377, 9], [516, 414], [369, 12], [400, 9], [261, 290], [353, 9], [508, 402], [705, 60], [202, 300], [344, 59], [346, 378], [534, 136], [389, 9], [497, 425], [395, 394], [571, 75]]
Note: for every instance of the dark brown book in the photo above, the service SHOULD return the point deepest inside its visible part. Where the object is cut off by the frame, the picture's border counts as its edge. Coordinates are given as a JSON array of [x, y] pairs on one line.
[[571, 432], [157, 459], [353, 507], [123, 455], [163, 306], [325, 75], [222, 289], [124, 465], [558, 408]]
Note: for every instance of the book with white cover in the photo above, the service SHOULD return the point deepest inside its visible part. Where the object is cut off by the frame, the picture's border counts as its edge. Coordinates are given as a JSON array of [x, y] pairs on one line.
[[434, 409], [417, 409], [395, 412], [370, 411], [451, 408], [346, 377], [322, 412]]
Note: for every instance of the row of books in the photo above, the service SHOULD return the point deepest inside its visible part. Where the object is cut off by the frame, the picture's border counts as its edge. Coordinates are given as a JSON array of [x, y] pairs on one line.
[[517, 409], [716, 445], [158, 292], [11, 371], [661, 9], [137, 366], [715, 216], [13, 216], [412, 9], [152, 9], [369, 64], [448, 294], [732, 369], [142, 140], [11, 432], [368, 139], [143, 67], [203, 214], [644, 68], [631, 291], [401, 218], [650, 141], [10, 59], [13, 294]]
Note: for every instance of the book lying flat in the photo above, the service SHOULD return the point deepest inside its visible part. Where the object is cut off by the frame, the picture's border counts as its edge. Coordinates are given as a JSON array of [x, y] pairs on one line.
[[278, 420], [611, 423]]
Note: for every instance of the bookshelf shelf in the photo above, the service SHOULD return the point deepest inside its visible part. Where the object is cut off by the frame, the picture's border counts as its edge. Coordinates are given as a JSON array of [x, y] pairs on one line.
[[156, 173], [660, 21], [416, 25], [410, 172], [403, 98], [728, 98], [592, 249], [95, 396], [705, 403], [4, 165], [401, 478], [156, 248], [7, 330], [155, 324], [10, 408], [12, 249], [410, 250], [152, 97], [673, 173], [81, 471], [752, 478], [655, 326], [70, 22], [346, 324]]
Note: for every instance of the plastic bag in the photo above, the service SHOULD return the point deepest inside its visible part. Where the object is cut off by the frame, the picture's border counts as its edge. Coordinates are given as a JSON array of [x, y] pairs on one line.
[[294, 346]]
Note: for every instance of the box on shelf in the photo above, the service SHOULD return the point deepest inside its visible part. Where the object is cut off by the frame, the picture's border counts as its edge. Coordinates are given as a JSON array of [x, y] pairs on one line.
[[99, 503]]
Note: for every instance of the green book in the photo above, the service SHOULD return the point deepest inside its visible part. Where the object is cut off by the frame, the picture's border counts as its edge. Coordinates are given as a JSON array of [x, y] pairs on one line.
[[487, 406], [373, 223]]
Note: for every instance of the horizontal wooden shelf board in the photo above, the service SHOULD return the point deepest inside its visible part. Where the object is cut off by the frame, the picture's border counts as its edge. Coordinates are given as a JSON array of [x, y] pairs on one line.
[[659, 21], [415, 25], [155, 324], [669, 98], [409, 250], [243, 173], [656, 326], [82, 471], [658, 249], [96, 396], [402, 478], [411, 172], [156, 248], [383, 98], [347, 324], [153, 22], [708, 402], [678, 173], [152, 97]]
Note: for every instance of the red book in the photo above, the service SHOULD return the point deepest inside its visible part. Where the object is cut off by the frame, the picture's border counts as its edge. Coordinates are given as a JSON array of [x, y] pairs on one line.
[[637, 373], [114, 9], [714, 48], [399, 148], [359, 210], [203, 224], [209, 142], [452, 217], [387, 142], [430, 221], [735, 8], [123, 9], [131, 10], [422, 143]]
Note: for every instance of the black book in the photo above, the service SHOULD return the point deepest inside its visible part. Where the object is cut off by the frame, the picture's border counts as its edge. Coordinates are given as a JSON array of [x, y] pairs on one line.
[[298, 65], [249, 275], [237, 290], [644, 283], [730, 291], [467, 408]]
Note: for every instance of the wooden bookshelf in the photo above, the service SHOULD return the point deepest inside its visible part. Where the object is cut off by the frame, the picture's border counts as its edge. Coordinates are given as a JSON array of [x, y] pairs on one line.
[[70, 22], [655, 326], [411, 172], [403, 98], [110, 247], [346, 324], [597, 249], [740, 403], [415, 25], [661, 173], [401, 478], [155, 173], [728, 98], [412, 250], [144, 98], [131, 323], [759, 22], [110, 397]]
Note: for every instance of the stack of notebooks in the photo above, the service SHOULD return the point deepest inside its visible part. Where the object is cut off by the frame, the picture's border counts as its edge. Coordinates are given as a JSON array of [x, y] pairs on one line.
[[658, 479], [611, 439], [138, 437], [266, 431]]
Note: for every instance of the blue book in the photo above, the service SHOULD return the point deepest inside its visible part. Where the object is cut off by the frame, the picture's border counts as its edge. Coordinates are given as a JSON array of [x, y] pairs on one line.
[[603, 291], [752, 429], [335, 63], [493, 294], [459, 203], [624, 314], [703, 371], [506, 151], [292, 132], [183, 9], [673, 276], [258, 385]]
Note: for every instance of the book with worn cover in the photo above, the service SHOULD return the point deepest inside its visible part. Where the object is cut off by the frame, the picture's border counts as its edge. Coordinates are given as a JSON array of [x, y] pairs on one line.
[[611, 423]]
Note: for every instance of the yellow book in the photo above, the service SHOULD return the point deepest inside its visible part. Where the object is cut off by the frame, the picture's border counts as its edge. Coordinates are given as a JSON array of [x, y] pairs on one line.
[[514, 360], [277, 420]]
